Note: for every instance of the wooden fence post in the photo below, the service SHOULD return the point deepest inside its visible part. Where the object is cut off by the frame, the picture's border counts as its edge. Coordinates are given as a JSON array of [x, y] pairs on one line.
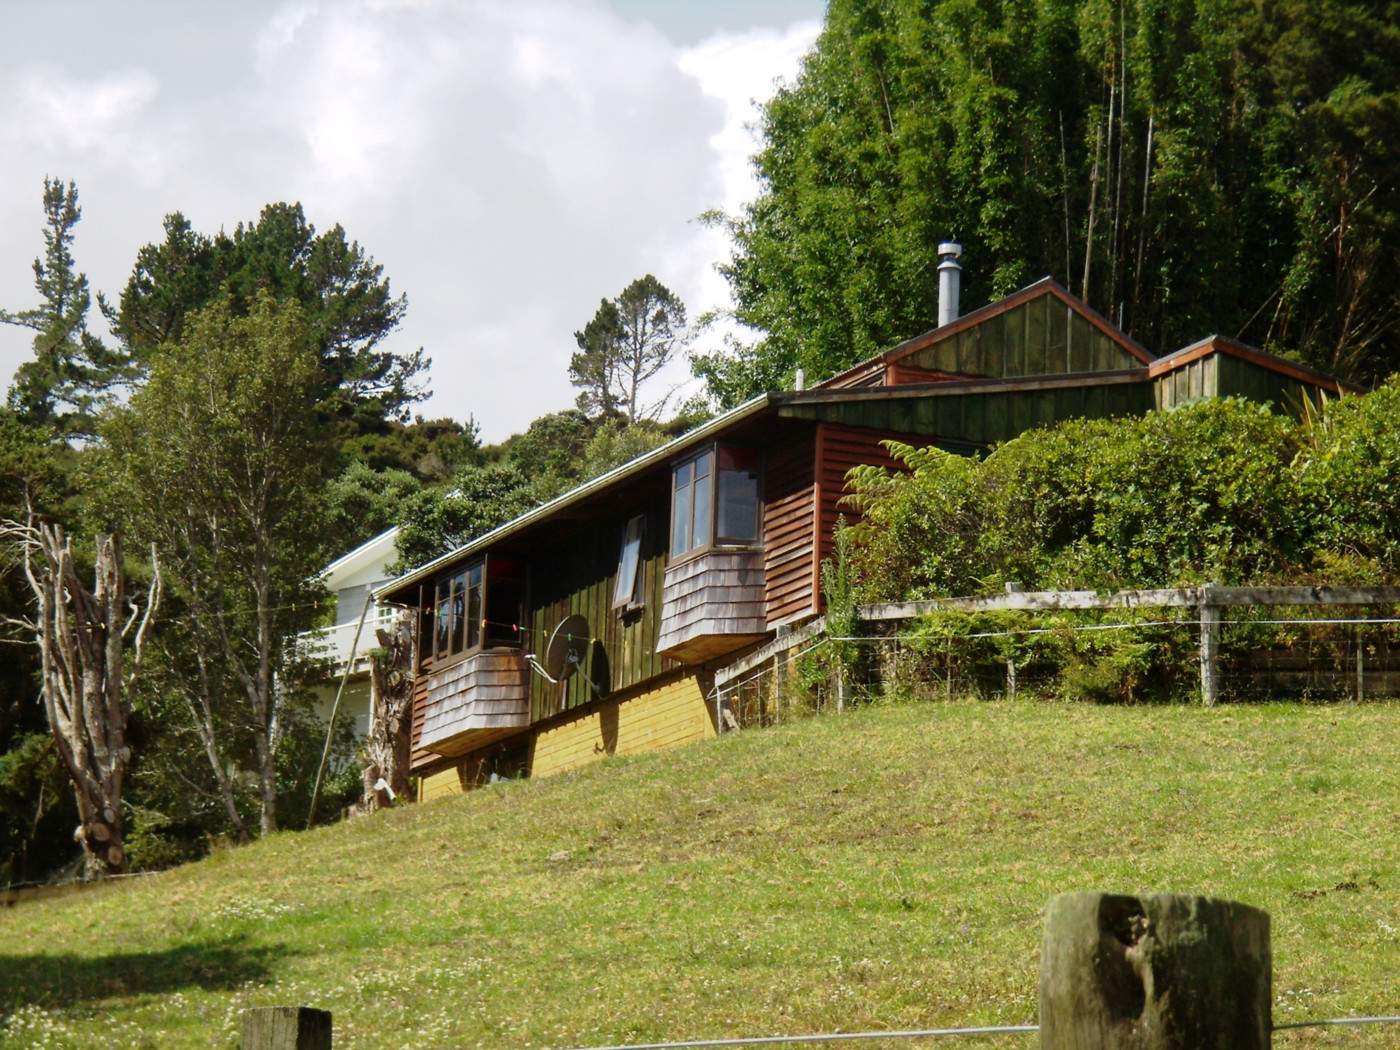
[[1158, 972], [1210, 638], [286, 1028]]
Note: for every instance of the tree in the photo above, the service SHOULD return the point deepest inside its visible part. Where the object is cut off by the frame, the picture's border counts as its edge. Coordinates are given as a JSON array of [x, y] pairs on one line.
[[82, 636], [1186, 166], [478, 499], [71, 369], [218, 462], [345, 299], [628, 341]]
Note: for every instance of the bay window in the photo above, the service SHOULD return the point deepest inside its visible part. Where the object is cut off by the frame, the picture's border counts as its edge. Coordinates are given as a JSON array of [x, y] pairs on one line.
[[715, 500]]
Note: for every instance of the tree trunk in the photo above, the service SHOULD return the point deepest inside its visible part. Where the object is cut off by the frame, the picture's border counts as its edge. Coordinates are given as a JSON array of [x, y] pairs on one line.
[[391, 724], [82, 636]]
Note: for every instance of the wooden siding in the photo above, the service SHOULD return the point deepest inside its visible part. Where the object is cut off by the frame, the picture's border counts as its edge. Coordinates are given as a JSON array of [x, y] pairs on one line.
[[472, 701], [712, 603], [839, 448], [789, 530], [671, 714], [1194, 380], [442, 784], [1043, 336], [577, 576], [968, 421]]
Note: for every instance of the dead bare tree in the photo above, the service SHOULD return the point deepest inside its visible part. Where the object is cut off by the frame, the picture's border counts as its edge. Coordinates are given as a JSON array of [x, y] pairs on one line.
[[82, 637], [391, 723]]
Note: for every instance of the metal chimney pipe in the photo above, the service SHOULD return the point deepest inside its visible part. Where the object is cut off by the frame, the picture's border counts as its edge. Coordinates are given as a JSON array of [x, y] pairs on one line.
[[801, 383], [949, 281]]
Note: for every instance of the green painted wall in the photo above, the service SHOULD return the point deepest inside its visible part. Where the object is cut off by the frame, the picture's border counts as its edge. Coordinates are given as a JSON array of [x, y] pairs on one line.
[[1039, 337], [578, 575], [984, 418]]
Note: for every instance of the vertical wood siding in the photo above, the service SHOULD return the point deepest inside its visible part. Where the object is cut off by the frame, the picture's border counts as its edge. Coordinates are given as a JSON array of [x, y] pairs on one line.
[[577, 576], [789, 530], [1043, 336]]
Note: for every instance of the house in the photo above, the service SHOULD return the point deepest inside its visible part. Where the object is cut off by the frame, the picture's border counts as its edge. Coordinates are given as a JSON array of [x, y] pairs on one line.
[[352, 578], [692, 555]]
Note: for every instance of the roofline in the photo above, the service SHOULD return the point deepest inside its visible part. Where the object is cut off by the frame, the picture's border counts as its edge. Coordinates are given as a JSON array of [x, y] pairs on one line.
[[588, 488], [949, 387], [1224, 344], [968, 320], [345, 559]]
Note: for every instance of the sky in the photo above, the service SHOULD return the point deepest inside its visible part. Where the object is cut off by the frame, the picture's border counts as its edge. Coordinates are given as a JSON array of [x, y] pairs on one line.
[[510, 163]]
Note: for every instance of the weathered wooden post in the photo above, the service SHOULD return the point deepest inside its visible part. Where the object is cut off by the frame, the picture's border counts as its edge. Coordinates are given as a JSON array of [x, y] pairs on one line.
[[1158, 972], [286, 1028], [1210, 639]]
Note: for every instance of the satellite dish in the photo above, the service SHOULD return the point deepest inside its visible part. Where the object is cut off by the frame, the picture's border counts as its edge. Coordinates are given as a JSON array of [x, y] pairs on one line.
[[567, 648]]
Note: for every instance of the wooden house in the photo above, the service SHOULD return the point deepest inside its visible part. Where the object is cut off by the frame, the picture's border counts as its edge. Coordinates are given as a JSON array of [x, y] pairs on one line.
[[691, 555]]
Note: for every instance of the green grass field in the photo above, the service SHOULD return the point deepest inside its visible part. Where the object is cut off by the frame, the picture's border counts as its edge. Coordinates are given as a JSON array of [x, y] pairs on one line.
[[882, 869]]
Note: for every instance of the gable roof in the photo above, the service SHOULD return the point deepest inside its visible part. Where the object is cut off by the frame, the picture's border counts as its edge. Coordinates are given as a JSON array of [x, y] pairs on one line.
[[1223, 344], [873, 370]]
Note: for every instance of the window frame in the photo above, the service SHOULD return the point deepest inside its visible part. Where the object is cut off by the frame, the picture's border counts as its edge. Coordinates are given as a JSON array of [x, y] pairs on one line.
[[712, 449], [633, 538], [443, 649]]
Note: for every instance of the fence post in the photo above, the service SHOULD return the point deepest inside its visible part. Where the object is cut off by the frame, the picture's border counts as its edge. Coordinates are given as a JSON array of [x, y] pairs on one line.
[[1157, 972], [286, 1028], [1210, 639]]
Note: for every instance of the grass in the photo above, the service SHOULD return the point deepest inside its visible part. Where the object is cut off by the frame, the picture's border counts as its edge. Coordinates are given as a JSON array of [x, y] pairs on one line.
[[882, 869]]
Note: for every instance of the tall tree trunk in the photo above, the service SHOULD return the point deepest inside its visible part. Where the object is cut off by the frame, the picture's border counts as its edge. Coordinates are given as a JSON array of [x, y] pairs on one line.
[[391, 722], [81, 635]]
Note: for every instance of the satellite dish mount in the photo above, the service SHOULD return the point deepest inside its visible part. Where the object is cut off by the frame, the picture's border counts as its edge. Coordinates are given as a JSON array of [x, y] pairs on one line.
[[567, 650]]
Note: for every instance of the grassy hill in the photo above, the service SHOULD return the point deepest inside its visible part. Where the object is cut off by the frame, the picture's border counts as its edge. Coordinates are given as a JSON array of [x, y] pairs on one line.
[[883, 869]]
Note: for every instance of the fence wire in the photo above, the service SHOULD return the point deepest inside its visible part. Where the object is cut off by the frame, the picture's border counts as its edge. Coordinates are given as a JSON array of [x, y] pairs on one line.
[[937, 1033], [1260, 657]]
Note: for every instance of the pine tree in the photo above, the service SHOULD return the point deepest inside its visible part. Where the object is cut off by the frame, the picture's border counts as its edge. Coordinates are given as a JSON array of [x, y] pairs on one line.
[[72, 370]]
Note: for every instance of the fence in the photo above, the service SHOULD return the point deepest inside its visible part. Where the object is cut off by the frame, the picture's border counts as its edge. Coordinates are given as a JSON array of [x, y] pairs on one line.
[[1118, 972], [1220, 642]]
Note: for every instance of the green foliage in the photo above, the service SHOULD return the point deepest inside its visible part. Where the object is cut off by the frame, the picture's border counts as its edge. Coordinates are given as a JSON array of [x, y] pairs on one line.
[[436, 521], [72, 370], [218, 463], [37, 810], [343, 293], [429, 449], [363, 502], [1204, 492], [1187, 166]]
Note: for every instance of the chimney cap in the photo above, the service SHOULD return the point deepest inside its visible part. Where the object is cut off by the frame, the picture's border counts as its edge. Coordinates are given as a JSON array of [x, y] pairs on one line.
[[952, 248]]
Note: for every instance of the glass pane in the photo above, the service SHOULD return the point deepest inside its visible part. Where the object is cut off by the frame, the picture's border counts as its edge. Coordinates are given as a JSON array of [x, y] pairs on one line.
[[627, 563], [700, 533], [458, 609], [474, 607], [738, 506], [443, 621], [702, 465], [680, 512]]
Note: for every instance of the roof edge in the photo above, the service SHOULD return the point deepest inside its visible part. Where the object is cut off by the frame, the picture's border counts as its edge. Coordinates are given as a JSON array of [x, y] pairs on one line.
[[588, 488], [1217, 343]]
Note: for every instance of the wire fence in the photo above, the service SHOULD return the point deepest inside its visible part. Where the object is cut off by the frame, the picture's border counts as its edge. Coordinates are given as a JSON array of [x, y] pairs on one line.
[[939, 1033], [1263, 654]]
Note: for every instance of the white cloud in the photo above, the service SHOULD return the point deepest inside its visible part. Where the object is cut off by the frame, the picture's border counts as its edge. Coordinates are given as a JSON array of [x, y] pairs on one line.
[[509, 163]]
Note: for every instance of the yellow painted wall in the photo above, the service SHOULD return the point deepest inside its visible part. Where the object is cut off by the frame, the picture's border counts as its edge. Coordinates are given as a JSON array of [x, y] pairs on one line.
[[440, 785], [670, 715]]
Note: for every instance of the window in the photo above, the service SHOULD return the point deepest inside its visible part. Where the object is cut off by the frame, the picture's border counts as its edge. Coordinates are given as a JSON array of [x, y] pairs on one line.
[[458, 616], [715, 500], [629, 563]]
